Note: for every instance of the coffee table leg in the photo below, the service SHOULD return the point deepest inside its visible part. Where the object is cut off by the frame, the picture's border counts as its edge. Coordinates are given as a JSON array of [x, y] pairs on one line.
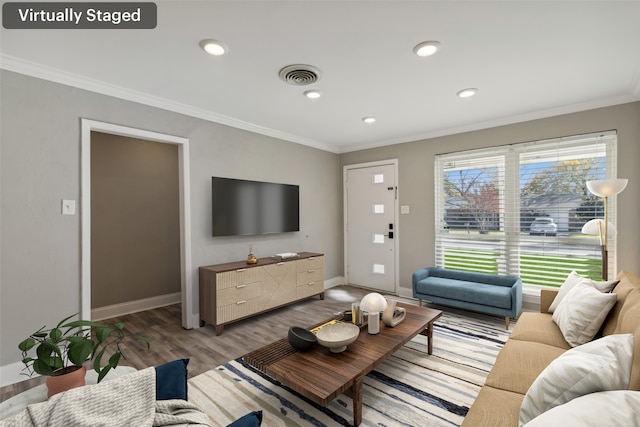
[[356, 392], [429, 334]]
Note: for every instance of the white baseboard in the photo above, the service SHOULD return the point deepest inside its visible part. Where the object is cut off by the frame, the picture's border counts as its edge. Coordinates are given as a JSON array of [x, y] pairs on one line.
[[135, 306], [405, 292], [333, 282]]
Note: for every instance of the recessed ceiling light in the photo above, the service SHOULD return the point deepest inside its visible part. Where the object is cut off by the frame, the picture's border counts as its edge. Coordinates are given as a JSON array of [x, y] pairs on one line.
[[369, 119], [312, 94], [426, 48], [466, 93], [213, 47]]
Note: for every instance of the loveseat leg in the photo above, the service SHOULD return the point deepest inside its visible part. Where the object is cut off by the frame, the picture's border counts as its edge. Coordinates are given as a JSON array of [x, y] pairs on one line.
[[419, 302], [506, 322]]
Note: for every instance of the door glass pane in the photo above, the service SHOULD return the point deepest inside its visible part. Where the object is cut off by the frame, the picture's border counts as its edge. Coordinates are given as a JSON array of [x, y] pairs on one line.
[[378, 178], [378, 238], [378, 269], [378, 208]]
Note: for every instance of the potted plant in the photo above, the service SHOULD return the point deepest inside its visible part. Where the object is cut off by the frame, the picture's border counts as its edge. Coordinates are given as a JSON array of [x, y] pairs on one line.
[[64, 349]]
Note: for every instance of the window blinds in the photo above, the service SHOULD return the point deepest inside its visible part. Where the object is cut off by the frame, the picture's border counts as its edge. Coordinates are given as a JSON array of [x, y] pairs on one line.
[[519, 209]]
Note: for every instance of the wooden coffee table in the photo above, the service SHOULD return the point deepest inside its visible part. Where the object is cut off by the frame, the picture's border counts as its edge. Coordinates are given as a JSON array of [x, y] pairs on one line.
[[322, 376]]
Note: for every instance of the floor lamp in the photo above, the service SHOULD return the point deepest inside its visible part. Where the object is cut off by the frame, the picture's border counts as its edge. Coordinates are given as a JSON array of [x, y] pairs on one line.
[[604, 188]]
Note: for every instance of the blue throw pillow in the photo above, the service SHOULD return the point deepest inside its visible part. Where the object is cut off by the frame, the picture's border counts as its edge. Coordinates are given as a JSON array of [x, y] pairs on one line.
[[171, 380], [253, 419]]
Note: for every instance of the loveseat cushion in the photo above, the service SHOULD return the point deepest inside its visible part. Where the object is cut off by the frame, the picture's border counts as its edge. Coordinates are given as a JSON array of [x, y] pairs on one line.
[[600, 365], [628, 282], [540, 328], [581, 313], [519, 363], [494, 408], [605, 408], [629, 323], [572, 280], [461, 290]]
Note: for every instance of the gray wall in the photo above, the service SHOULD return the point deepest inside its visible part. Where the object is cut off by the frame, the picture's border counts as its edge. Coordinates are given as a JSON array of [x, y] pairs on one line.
[[135, 219], [40, 166], [416, 180]]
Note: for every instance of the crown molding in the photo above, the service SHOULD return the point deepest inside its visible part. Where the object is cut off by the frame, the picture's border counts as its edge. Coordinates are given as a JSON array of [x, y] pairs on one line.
[[32, 69]]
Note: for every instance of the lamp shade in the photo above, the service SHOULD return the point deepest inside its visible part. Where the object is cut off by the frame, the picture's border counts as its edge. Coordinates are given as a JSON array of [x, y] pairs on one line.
[[594, 227], [373, 302], [607, 187]]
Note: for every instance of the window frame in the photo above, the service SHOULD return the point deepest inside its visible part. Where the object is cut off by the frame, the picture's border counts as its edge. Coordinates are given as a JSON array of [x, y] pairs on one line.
[[509, 239]]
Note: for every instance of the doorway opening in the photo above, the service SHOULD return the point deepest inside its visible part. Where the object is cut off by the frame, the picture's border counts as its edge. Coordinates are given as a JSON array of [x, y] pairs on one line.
[[186, 276]]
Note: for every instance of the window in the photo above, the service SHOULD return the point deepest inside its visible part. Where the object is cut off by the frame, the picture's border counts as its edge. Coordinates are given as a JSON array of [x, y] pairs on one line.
[[519, 209]]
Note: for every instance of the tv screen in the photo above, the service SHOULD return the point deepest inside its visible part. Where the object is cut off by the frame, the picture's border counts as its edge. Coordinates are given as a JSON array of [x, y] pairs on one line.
[[241, 207]]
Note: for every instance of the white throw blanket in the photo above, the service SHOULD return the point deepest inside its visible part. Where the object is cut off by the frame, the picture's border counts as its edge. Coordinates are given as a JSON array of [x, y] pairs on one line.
[[125, 401]]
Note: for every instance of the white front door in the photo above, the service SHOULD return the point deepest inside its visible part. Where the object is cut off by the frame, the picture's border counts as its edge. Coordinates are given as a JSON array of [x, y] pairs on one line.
[[370, 226]]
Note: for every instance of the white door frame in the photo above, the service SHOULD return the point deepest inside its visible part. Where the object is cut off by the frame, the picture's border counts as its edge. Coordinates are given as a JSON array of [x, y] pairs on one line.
[[186, 276], [396, 208]]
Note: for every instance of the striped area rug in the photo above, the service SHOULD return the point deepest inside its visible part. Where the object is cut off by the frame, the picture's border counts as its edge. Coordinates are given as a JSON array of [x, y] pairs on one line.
[[411, 388]]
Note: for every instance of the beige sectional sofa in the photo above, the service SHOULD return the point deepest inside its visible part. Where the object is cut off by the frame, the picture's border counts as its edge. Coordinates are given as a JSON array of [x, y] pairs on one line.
[[535, 342]]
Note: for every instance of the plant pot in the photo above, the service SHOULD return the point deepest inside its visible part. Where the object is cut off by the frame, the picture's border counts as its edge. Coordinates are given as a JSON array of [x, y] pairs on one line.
[[57, 383]]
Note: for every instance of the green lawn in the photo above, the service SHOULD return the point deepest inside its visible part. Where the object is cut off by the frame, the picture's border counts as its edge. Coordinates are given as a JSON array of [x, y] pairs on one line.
[[543, 270]]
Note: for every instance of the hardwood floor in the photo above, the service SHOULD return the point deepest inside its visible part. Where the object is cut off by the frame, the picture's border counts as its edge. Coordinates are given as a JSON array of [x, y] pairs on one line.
[[169, 341]]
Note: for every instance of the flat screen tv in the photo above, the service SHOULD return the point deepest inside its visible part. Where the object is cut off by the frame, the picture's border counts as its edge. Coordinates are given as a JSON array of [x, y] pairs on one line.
[[242, 208]]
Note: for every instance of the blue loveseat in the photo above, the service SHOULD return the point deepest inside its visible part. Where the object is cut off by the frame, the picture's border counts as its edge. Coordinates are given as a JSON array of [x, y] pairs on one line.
[[485, 293]]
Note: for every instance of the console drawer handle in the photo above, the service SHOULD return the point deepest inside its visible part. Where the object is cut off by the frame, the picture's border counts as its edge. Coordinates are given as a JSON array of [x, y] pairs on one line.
[[280, 263], [241, 286], [241, 302], [310, 271], [242, 270]]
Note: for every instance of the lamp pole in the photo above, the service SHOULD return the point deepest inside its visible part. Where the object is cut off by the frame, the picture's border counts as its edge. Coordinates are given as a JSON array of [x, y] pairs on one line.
[[606, 188]]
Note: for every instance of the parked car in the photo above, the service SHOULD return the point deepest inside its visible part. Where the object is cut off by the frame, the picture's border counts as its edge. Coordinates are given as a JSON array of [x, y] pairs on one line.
[[543, 226]]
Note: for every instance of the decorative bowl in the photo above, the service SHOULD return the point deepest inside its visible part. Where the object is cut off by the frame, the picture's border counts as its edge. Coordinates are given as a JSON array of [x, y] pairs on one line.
[[336, 337], [301, 339]]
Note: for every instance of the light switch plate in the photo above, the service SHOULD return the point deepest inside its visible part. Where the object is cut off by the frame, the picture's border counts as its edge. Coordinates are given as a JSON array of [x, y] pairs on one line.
[[404, 209], [68, 207]]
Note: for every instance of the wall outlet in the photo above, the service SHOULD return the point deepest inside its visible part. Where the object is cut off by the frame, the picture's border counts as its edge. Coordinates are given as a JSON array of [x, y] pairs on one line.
[[68, 207]]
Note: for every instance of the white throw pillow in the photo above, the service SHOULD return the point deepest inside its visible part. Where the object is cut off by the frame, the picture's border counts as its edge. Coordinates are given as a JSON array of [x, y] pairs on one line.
[[601, 365], [605, 408], [572, 280], [581, 313]]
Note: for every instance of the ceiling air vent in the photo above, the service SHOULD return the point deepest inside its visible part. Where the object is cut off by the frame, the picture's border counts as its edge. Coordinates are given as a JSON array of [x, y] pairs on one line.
[[299, 74]]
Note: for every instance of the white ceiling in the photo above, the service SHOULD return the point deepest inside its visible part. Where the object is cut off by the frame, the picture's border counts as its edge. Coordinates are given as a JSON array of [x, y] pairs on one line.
[[529, 59]]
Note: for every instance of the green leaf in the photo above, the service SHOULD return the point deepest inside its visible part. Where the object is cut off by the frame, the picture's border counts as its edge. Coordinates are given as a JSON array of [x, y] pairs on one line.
[[65, 319], [55, 334], [42, 368], [27, 344], [97, 360], [83, 324], [102, 334], [47, 349], [115, 359], [79, 351], [119, 326], [103, 372]]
